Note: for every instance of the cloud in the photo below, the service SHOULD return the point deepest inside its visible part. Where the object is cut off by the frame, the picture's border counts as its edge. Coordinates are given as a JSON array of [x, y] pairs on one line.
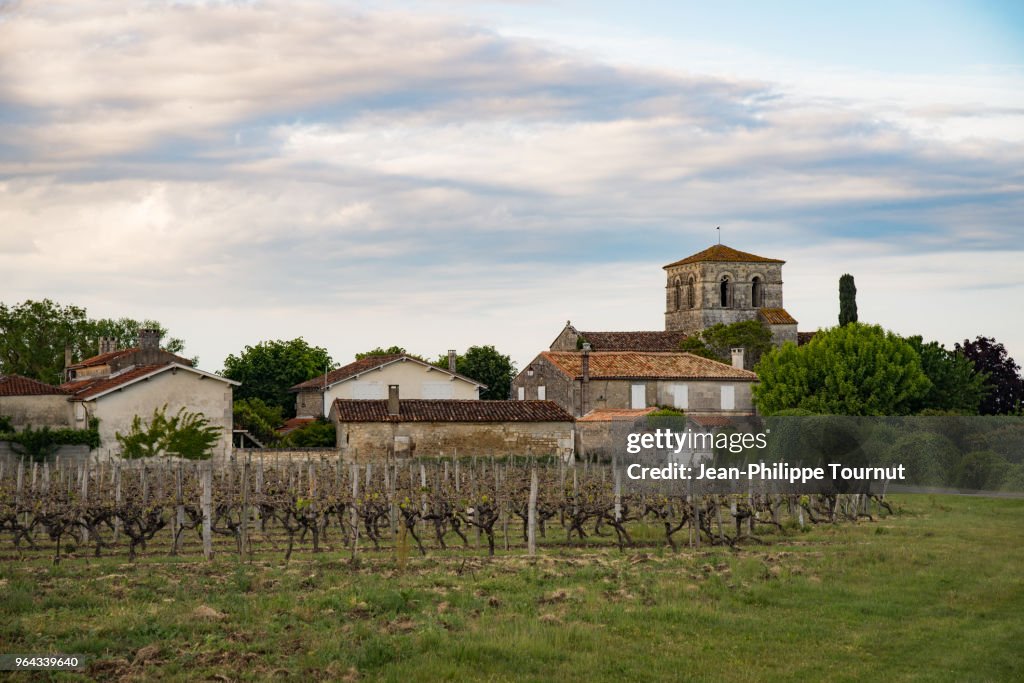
[[255, 170]]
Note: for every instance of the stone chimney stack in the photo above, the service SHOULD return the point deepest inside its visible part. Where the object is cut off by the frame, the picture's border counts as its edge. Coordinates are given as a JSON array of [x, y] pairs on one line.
[[149, 340], [737, 357], [585, 381], [106, 345], [451, 360], [392, 399], [67, 355]]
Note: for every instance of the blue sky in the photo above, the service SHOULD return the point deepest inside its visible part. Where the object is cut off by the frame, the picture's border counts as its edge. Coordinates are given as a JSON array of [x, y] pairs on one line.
[[442, 174]]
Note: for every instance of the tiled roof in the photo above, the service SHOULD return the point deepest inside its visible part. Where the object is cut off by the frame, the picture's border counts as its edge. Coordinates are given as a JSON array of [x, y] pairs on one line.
[[645, 365], [776, 316], [445, 410], [87, 388], [721, 253], [16, 385], [105, 358], [359, 367], [804, 337], [294, 423], [609, 414], [634, 341]]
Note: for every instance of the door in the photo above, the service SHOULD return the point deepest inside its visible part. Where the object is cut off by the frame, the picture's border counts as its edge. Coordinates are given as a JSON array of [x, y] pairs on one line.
[[639, 396]]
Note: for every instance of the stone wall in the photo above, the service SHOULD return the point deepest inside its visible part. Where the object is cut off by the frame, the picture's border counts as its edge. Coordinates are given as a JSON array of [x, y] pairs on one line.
[[52, 411], [73, 452], [309, 404], [368, 441], [557, 386], [708, 310], [270, 454]]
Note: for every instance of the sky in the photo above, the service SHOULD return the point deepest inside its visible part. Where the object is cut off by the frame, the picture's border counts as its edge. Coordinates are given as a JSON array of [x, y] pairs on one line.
[[445, 174]]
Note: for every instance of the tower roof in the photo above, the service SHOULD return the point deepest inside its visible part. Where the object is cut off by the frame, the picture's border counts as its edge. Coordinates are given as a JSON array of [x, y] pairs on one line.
[[722, 253]]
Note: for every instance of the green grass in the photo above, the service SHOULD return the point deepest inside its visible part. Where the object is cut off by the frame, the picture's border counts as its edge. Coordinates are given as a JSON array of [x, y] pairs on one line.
[[935, 593]]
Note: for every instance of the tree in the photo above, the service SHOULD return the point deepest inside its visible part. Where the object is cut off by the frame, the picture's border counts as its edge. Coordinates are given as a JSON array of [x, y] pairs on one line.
[[847, 300], [716, 342], [34, 334], [486, 365], [390, 351], [1001, 375], [318, 434], [853, 370], [258, 418], [270, 368], [956, 387], [188, 435]]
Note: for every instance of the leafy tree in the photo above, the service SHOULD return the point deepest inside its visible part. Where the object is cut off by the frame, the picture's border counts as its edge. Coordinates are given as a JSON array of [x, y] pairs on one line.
[[718, 341], [486, 365], [270, 368], [390, 351], [1001, 375], [34, 334], [852, 370], [318, 434], [982, 470], [847, 300], [956, 387], [186, 434], [258, 418]]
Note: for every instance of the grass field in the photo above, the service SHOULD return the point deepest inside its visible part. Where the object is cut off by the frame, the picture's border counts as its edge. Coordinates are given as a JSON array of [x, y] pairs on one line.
[[934, 593]]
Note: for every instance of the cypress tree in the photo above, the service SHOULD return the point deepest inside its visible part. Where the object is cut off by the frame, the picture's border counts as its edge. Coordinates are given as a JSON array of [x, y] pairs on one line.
[[847, 300]]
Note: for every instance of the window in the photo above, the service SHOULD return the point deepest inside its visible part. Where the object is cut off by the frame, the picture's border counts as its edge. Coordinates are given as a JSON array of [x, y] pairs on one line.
[[680, 396], [691, 298], [542, 393], [728, 398], [756, 293], [521, 393], [638, 396], [677, 295], [724, 291]]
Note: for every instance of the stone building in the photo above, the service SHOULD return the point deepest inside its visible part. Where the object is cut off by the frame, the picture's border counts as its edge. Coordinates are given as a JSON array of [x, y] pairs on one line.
[[571, 339], [398, 427], [117, 385], [370, 377], [27, 402], [581, 381], [724, 285]]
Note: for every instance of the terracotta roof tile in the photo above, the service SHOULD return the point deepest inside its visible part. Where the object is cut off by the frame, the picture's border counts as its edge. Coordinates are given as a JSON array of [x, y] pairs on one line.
[[445, 410], [16, 385], [609, 414], [104, 358], [804, 338], [84, 389], [294, 423], [634, 341], [720, 253], [645, 365], [776, 316]]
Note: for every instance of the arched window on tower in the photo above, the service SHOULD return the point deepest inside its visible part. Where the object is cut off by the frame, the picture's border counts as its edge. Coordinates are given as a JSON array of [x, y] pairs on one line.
[[725, 291], [691, 295], [677, 294], [757, 293]]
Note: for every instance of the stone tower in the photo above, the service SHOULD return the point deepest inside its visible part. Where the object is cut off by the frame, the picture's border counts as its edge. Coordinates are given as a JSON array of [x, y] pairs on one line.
[[724, 285]]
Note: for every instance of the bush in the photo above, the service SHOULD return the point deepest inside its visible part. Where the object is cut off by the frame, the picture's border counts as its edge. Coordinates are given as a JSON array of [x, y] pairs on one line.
[[319, 434], [40, 444]]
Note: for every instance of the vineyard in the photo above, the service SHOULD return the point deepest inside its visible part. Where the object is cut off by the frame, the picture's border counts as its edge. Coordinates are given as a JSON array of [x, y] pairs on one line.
[[278, 506]]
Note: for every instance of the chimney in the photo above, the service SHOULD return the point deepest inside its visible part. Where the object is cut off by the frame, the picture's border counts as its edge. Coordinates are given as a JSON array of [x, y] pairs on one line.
[[392, 399], [585, 382], [451, 360], [149, 340], [67, 355], [737, 357]]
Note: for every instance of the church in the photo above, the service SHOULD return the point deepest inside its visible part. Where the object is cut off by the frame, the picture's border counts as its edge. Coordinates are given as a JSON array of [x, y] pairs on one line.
[[725, 285], [597, 374]]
